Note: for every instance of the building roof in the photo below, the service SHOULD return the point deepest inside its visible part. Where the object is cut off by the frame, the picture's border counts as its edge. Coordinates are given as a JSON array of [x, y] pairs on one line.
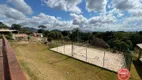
[[21, 35], [7, 30], [140, 45]]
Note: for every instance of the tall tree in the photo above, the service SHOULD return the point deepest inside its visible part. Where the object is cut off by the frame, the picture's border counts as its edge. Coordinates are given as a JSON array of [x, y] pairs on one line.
[[16, 26], [65, 33], [45, 33], [42, 27], [75, 36], [24, 30], [2, 25], [55, 35]]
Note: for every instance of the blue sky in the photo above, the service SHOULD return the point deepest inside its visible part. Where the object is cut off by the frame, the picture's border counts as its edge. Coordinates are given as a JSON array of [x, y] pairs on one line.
[[91, 15]]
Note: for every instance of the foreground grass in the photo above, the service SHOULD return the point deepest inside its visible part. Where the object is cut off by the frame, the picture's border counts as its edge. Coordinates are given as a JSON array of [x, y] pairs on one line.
[[39, 63]]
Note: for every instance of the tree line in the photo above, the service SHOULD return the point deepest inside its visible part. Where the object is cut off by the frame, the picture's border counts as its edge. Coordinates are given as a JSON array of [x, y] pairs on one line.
[[120, 40]]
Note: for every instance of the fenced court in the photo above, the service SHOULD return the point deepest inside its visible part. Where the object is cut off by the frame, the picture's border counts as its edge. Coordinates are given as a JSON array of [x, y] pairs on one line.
[[101, 58]]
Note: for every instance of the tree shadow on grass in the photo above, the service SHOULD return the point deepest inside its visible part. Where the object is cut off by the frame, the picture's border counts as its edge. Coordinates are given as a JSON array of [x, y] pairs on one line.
[[138, 66]]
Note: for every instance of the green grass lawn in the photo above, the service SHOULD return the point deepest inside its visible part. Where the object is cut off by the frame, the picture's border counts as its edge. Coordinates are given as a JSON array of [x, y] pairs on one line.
[[39, 63]]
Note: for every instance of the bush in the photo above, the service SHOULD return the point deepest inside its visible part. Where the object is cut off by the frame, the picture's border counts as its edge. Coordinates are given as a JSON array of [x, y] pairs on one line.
[[66, 38], [120, 45], [49, 39], [7, 35], [98, 42]]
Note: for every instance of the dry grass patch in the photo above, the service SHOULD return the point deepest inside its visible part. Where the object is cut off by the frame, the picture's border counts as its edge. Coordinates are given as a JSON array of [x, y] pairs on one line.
[[39, 63]]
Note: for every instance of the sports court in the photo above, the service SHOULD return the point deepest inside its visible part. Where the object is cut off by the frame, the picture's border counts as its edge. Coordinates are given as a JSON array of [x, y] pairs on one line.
[[104, 59]]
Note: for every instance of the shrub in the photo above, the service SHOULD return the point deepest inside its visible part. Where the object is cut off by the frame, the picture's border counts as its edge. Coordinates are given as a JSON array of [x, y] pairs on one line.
[[99, 42]]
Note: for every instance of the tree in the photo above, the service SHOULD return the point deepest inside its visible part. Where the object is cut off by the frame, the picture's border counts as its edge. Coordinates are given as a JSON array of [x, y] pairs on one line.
[[108, 35], [121, 45], [2, 25], [120, 35], [136, 38], [75, 36], [24, 30], [66, 38], [16, 26], [98, 42], [42, 27], [65, 33], [49, 39], [40, 31], [85, 36], [52, 35], [55, 35], [45, 33]]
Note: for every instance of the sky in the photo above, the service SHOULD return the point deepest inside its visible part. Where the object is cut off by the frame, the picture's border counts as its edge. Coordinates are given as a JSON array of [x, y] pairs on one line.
[[88, 15]]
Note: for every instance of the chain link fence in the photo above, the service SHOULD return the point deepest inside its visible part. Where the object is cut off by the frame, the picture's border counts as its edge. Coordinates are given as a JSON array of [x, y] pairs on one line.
[[96, 56]]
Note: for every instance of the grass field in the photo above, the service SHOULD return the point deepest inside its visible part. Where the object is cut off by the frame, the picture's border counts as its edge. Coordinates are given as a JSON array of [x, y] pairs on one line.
[[39, 63]]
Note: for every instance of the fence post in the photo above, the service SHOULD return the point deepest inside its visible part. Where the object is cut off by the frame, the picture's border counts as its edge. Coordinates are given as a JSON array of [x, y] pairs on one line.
[[64, 47], [104, 60], [72, 49], [86, 54], [57, 46]]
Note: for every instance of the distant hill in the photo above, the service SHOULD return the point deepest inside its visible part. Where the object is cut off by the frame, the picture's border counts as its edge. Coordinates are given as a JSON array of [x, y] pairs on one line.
[[31, 29]]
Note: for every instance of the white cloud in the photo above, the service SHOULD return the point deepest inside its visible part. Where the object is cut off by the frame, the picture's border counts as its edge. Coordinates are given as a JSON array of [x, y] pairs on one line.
[[136, 12], [22, 6], [132, 19], [96, 5], [134, 7], [120, 14], [112, 19], [7, 12], [66, 5], [79, 20], [123, 4], [92, 24], [116, 12], [42, 19], [126, 4]]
